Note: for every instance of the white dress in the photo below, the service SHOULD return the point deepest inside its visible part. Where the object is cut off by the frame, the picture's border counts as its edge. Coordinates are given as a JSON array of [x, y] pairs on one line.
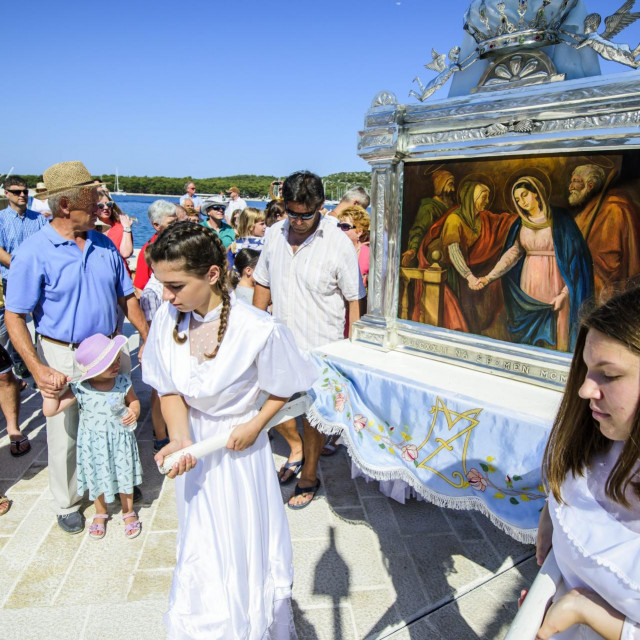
[[596, 543], [234, 561]]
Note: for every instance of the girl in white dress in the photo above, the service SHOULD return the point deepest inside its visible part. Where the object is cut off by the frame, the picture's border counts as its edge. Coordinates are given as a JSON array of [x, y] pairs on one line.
[[210, 357], [592, 467]]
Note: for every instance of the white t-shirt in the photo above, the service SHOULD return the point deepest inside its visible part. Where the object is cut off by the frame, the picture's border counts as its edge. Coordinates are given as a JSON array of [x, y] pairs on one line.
[[41, 206], [232, 206]]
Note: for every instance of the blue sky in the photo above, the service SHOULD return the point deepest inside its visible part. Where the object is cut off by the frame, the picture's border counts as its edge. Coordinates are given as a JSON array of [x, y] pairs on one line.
[[209, 88]]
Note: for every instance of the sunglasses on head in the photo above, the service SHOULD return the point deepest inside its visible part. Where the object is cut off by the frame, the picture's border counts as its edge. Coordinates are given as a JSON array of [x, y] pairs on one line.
[[307, 215], [106, 205], [345, 226], [17, 192]]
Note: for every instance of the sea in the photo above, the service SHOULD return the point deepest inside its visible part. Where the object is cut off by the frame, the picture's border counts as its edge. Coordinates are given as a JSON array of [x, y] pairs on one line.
[[136, 207]]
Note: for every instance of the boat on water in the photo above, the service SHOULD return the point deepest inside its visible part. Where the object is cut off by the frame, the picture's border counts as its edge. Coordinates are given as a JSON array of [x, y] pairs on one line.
[[116, 186]]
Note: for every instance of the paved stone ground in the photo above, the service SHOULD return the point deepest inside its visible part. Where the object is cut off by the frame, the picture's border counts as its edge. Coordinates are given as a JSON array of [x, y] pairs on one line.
[[365, 566]]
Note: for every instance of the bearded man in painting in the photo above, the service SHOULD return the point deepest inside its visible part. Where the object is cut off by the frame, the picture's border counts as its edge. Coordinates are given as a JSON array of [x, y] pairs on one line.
[[610, 225]]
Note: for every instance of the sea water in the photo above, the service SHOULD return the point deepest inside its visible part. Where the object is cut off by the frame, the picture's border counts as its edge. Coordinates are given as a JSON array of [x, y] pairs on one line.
[[137, 206]]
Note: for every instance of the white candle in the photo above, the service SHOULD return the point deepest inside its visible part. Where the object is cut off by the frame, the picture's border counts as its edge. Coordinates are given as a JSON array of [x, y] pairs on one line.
[[291, 409]]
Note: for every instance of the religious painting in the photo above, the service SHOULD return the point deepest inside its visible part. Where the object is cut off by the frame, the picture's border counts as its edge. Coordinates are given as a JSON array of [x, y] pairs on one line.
[[512, 248]]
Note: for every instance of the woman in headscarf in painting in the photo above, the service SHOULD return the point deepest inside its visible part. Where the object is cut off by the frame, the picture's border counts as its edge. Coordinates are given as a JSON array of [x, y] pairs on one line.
[[546, 269], [469, 238]]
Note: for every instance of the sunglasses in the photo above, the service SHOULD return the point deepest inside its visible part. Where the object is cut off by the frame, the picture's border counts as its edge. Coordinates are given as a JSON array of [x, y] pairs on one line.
[[345, 226], [17, 192], [216, 208], [307, 215], [106, 205]]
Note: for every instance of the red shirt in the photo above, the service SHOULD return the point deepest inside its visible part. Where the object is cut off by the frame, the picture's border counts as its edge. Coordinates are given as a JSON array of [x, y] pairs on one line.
[[143, 270], [115, 234]]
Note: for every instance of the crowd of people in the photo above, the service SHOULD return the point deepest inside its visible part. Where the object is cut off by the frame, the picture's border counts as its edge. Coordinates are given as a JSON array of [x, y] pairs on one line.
[[227, 308]]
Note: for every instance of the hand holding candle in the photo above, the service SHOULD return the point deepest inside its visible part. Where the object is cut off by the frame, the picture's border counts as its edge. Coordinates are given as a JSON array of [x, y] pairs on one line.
[[291, 409]]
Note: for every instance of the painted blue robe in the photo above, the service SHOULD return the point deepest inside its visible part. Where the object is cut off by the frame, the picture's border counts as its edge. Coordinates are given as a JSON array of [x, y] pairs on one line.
[[530, 321]]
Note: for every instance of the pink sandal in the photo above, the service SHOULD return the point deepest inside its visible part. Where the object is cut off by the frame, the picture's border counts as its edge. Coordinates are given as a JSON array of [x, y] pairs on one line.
[[132, 530], [97, 529]]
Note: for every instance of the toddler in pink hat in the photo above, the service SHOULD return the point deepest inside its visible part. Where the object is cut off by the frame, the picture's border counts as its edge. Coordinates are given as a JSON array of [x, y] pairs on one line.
[[108, 462]]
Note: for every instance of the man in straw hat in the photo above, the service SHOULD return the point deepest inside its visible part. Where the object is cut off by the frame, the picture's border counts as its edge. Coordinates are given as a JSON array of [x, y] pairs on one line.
[[71, 278]]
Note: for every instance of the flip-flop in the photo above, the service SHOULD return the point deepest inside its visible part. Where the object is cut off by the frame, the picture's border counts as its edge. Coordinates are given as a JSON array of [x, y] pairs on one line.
[[3, 501], [295, 469], [298, 491], [17, 444]]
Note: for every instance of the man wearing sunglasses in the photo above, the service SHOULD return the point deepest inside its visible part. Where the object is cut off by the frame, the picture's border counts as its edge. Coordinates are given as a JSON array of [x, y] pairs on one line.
[[308, 268], [17, 223]]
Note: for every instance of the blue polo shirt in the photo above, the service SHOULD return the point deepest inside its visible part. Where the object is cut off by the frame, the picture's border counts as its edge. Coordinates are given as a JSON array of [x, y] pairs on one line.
[[15, 229], [71, 294]]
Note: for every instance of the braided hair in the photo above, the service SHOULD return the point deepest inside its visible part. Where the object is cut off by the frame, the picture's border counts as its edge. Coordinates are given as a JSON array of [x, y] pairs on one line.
[[197, 248]]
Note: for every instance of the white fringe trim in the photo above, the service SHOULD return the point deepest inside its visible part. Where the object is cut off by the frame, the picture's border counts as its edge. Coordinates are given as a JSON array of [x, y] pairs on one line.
[[526, 536]]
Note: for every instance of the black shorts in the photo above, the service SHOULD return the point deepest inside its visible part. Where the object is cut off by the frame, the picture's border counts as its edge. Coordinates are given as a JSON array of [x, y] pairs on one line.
[[5, 360]]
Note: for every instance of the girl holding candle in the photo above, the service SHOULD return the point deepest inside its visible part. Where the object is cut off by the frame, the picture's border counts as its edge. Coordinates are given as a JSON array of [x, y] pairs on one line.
[[210, 357]]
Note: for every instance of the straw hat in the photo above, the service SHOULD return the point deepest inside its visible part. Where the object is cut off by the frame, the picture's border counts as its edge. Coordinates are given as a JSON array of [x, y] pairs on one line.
[[96, 354], [41, 186], [64, 176]]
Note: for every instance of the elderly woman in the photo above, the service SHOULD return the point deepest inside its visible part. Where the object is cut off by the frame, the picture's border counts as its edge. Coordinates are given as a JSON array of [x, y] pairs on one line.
[[355, 222], [162, 213], [547, 269], [592, 468], [469, 239]]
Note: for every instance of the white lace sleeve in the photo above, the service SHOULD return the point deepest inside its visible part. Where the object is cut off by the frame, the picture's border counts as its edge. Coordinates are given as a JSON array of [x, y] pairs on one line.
[[630, 630]]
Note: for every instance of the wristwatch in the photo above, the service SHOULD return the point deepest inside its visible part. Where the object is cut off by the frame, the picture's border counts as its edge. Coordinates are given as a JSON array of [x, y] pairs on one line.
[[126, 229]]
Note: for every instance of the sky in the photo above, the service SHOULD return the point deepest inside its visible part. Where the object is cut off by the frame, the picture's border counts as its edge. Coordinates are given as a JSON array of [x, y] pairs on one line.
[[210, 88]]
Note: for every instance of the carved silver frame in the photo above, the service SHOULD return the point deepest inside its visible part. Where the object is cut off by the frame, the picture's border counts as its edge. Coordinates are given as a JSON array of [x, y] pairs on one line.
[[590, 114]]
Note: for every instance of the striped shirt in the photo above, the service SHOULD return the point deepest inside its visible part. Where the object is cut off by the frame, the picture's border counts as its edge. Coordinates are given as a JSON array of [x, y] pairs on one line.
[[309, 288], [151, 298]]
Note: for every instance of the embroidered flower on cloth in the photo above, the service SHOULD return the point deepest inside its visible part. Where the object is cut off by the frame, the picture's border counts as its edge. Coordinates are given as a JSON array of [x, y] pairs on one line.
[[477, 480], [359, 422], [410, 452], [339, 401]]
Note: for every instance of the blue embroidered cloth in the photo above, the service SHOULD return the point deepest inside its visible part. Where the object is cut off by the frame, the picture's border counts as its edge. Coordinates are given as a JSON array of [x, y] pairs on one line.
[[452, 449]]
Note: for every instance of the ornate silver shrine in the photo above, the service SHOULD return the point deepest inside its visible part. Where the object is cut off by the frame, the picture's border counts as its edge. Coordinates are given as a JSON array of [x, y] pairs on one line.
[[518, 102]]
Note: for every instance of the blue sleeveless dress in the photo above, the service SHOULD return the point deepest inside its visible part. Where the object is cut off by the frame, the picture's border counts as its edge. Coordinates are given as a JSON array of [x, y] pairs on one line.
[[108, 461]]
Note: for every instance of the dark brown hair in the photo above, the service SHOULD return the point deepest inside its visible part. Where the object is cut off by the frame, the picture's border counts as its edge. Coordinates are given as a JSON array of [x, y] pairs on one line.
[[197, 249], [575, 437], [273, 211]]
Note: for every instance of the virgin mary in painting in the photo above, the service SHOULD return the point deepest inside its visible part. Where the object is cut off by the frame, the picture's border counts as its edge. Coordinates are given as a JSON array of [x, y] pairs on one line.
[[546, 270]]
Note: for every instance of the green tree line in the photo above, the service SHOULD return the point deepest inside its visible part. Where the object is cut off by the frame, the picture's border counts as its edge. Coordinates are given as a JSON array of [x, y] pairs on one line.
[[250, 186]]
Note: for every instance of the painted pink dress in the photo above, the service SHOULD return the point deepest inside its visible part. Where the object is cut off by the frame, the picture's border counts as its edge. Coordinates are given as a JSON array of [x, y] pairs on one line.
[[541, 278]]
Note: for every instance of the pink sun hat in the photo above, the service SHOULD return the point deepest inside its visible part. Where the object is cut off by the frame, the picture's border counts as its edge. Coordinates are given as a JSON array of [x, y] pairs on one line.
[[96, 354]]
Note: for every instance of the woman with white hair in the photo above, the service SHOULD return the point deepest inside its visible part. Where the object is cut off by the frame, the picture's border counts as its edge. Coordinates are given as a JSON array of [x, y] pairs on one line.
[[161, 214]]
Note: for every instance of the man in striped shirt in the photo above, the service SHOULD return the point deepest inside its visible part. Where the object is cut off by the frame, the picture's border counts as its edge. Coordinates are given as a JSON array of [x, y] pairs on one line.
[[308, 269]]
